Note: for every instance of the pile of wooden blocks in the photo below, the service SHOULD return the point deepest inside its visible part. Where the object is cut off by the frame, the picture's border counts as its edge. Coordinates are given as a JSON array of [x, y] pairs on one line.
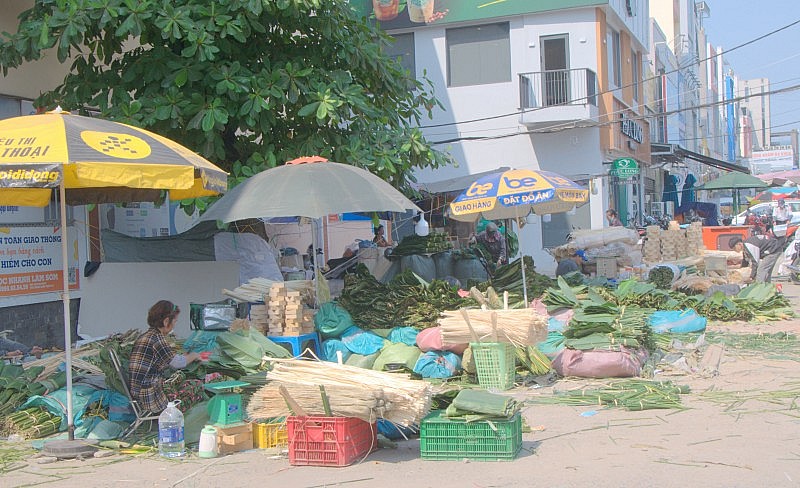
[[694, 239], [259, 317], [652, 245], [673, 244], [286, 315]]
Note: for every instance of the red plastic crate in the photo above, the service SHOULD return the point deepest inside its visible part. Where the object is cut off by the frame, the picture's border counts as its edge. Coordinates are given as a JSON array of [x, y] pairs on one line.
[[329, 441]]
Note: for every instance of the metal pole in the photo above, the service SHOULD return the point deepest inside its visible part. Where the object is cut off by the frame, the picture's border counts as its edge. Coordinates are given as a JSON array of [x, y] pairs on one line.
[[521, 256], [62, 194]]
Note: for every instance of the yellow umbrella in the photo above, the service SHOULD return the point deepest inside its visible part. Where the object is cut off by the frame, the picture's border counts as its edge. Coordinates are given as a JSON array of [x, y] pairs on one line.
[[93, 160], [515, 193]]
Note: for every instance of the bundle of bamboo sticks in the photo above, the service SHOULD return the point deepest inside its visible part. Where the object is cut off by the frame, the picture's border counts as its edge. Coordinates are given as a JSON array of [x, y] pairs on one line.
[[51, 363], [521, 327], [255, 289], [348, 391]]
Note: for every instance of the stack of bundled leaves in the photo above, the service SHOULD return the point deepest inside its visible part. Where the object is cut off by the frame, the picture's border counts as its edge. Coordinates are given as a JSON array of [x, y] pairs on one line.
[[31, 423], [634, 394], [760, 301], [564, 296], [635, 293], [407, 300], [606, 326], [430, 244], [603, 319], [17, 385], [509, 278]]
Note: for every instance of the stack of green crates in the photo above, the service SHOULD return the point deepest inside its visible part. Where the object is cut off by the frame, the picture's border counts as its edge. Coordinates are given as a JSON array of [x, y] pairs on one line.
[[443, 438], [495, 364]]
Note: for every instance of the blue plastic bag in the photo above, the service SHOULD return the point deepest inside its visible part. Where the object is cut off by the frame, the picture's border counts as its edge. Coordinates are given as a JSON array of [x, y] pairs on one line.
[[437, 364], [394, 432], [362, 342], [406, 335], [553, 324], [332, 320], [331, 346], [552, 345], [677, 321]]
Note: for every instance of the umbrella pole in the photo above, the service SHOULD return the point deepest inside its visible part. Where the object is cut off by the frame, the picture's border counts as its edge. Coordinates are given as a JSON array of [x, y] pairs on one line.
[[65, 298], [521, 257], [314, 256]]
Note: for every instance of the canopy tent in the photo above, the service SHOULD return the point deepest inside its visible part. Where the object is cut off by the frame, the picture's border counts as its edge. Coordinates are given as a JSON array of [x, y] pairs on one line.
[[92, 160], [734, 181]]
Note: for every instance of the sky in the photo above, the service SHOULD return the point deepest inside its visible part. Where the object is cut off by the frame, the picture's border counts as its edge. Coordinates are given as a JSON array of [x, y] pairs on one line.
[[777, 57]]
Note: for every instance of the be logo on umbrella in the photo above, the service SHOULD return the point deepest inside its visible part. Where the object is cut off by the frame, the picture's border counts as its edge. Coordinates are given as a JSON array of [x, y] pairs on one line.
[[518, 187]]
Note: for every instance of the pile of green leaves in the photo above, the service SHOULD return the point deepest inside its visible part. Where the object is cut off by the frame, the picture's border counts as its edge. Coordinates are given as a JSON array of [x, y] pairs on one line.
[[407, 300], [509, 278], [17, 385], [661, 276], [430, 244], [564, 296], [758, 301], [632, 394]]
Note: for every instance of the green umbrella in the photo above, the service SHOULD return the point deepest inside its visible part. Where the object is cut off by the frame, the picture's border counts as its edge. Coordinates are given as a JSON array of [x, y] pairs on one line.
[[734, 181], [308, 187]]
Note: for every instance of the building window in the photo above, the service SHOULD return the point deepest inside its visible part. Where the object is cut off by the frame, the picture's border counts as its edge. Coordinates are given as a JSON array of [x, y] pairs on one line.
[[14, 107], [403, 48], [478, 55], [614, 58], [636, 74]]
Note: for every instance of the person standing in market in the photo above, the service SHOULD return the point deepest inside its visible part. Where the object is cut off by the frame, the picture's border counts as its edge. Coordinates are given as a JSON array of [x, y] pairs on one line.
[[613, 219], [494, 242], [761, 252], [782, 214], [152, 355]]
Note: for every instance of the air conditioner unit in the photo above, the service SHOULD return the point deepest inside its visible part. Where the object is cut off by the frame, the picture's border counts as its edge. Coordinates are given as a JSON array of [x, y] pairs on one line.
[[656, 209]]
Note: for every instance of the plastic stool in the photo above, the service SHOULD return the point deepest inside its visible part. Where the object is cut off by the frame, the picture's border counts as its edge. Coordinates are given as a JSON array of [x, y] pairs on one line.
[[297, 342]]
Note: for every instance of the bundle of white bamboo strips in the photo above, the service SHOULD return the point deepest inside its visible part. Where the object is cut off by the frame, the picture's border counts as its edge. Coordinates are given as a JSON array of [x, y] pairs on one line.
[[51, 363], [521, 326], [255, 289], [351, 392]]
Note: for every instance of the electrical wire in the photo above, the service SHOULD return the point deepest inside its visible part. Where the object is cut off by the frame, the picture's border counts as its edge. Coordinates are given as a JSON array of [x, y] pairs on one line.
[[572, 125]]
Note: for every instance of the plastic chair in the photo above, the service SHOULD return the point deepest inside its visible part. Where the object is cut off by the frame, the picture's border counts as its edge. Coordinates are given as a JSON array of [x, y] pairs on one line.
[[297, 342], [142, 415]]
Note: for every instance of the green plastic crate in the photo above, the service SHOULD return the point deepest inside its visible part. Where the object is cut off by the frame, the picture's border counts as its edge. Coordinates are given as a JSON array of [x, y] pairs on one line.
[[442, 438], [495, 363]]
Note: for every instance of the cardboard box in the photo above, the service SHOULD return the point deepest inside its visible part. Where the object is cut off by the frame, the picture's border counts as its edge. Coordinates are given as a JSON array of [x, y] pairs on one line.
[[606, 267], [234, 438]]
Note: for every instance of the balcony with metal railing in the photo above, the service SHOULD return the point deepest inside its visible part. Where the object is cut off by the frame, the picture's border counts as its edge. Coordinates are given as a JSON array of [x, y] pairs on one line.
[[557, 96]]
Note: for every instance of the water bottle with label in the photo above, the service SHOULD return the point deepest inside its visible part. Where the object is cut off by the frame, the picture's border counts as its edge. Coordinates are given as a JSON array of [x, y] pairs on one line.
[[170, 432]]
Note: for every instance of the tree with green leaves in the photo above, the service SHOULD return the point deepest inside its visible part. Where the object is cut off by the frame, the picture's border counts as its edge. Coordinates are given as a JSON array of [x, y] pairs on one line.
[[249, 84]]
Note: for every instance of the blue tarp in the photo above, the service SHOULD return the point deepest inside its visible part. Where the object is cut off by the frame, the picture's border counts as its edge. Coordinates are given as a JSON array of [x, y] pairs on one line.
[[82, 396]]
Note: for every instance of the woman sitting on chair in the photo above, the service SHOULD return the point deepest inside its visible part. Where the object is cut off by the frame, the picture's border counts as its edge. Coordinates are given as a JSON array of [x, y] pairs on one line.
[[152, 355]]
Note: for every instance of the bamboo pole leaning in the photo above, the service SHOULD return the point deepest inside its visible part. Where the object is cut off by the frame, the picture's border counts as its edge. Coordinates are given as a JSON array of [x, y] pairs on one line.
[[521, 327], [351, 392]]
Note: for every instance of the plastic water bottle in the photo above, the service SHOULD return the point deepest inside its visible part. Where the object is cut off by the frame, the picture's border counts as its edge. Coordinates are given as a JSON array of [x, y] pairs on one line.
[[170, 432]]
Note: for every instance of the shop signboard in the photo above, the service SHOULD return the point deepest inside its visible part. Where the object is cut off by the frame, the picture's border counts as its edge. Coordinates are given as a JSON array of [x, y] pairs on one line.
[[30, 260], [397, 14], [624, 168]]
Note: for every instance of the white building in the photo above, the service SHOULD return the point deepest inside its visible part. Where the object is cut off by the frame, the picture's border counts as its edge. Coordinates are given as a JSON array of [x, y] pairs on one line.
[[529, 85]]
